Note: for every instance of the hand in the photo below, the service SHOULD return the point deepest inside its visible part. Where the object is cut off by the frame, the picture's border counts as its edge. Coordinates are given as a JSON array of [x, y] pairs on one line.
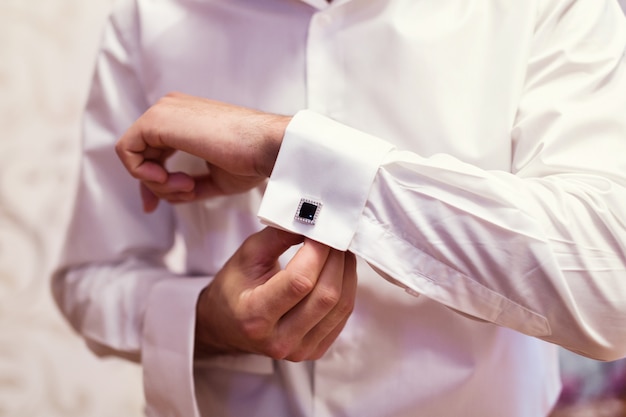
[[253, 306], [240, 146]]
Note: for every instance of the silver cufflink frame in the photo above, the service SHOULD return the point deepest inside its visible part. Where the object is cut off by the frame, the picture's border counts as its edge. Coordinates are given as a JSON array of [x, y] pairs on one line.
[[308, 211]]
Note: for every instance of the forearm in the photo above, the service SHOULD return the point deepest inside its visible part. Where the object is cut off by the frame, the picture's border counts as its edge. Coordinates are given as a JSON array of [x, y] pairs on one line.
[[240, 142]]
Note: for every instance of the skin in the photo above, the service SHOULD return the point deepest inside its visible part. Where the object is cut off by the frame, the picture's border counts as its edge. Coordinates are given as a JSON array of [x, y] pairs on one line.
[[252, 305], [240, 146], [293, 313]]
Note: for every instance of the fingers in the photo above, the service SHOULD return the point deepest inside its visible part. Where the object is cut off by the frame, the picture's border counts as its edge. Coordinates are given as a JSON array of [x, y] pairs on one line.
[[241, 143], [178, 187], [221, 182], [146, 163], [231, 312], [288, 287], [295, 313], [308, 303], [148, 198], [329, 306], [281, 298], [322, 299], [262, 249], [144, 157], [325, 333], [142, 161]]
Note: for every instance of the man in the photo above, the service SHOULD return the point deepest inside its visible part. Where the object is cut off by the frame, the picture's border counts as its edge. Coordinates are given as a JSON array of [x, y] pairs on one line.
[[469, 153]]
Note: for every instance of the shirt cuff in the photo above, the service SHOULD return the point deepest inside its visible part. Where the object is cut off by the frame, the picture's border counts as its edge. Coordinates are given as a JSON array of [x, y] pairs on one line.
[[326, 163], [168, 347]]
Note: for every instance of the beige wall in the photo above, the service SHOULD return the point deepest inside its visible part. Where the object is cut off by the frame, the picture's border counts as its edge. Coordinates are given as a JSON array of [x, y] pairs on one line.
[[46, 53]]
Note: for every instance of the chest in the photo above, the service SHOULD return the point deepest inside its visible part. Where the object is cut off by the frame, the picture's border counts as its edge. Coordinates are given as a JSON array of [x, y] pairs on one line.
[[430, 76]]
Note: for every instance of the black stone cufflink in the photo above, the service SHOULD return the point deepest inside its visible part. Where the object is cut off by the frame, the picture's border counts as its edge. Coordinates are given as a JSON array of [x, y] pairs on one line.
[[307, 211]]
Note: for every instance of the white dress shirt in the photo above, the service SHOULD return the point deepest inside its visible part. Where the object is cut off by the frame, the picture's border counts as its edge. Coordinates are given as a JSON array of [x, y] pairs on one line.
[[470, 152]]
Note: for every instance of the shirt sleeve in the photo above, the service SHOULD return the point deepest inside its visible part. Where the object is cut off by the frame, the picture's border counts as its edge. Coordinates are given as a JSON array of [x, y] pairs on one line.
[[111, 282], [539, 248]]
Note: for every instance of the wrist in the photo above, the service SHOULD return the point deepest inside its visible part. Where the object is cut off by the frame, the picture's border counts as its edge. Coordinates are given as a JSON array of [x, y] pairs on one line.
[[206, 341], [274, 132]]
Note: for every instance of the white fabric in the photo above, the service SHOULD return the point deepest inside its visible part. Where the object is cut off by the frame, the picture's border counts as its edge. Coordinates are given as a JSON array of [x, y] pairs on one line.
[[335, 185], [493, 185]]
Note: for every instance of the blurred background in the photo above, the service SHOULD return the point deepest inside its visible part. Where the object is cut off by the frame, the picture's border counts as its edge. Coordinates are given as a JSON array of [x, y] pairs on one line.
[[47, 49]]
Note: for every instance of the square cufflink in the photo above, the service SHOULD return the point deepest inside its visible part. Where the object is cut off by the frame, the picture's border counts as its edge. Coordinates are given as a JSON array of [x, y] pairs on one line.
[[307, 211]]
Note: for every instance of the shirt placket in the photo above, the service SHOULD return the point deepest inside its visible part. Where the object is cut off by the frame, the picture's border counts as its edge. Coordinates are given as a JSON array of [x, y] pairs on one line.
[[325, 94], [323, 64]]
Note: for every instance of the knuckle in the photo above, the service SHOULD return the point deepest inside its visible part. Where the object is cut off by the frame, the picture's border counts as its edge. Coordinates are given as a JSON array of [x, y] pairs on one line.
[[249, 248], [328, 297], [256, 330], [318, 353], [345, 307], [172, 94], [154, 112], [166, 101], [300, 283], [299, 356], [279, 349]]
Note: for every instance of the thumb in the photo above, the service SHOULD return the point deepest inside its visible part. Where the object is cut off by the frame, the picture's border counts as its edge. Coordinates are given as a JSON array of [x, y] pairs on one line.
[[290, 286], [267, 245]]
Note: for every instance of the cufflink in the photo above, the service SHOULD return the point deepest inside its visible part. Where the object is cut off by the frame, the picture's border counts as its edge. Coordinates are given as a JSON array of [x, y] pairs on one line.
[[307, 211]]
